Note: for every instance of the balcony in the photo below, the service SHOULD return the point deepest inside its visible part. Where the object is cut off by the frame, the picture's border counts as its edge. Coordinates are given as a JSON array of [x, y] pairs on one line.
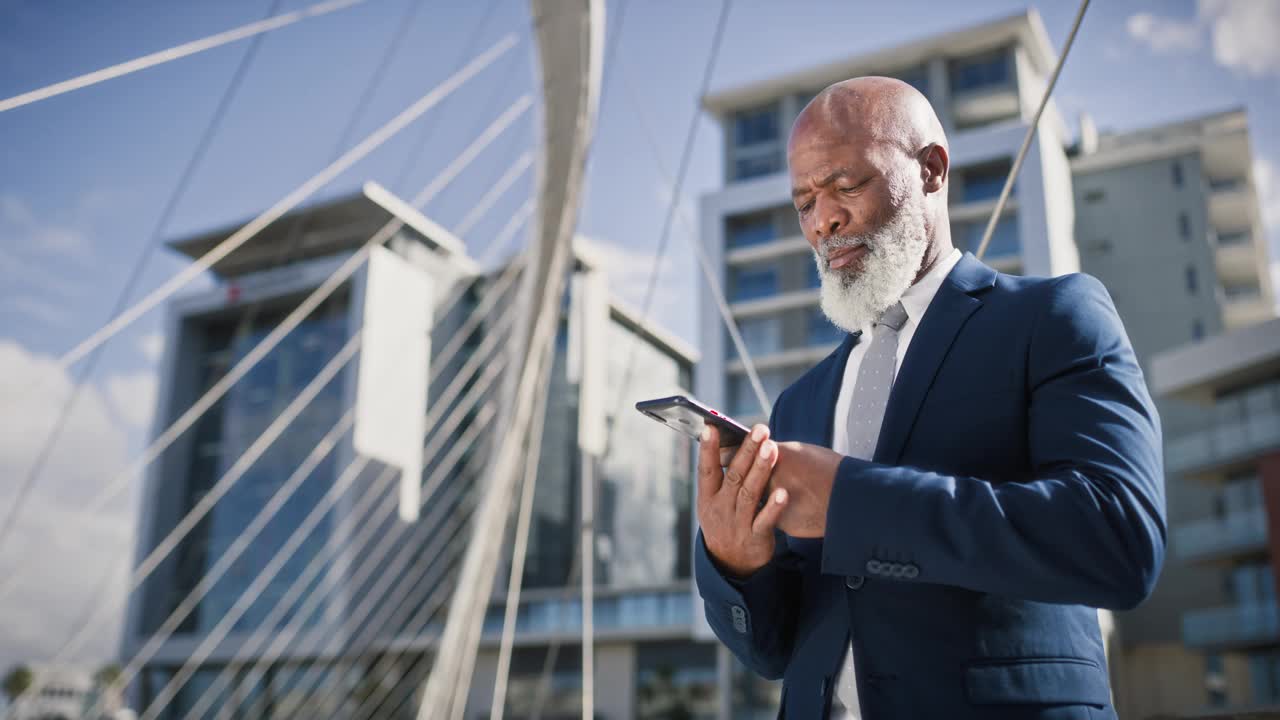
[[1229, 200], [1240, 532], [770, 250], [775, 303], [1240, 310], [1236, 257], [1243, 427], [1234, 626]]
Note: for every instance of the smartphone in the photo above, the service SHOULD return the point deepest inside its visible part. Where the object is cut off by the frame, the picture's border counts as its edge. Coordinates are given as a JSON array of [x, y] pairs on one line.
[[686, 415]]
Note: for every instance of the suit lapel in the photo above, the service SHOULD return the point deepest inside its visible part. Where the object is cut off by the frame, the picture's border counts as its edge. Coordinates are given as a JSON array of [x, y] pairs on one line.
[[947, 314]]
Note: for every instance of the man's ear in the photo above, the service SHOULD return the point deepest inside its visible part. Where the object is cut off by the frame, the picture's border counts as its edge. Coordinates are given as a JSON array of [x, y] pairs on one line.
[[935, 167]]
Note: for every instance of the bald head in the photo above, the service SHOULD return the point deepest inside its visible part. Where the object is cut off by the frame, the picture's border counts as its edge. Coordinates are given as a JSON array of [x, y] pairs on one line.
[[875, 109]]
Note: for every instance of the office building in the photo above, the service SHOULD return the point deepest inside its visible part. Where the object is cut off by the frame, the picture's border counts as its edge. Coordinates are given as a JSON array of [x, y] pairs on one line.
[[1229, 631], [1167, 217], [350, 619]]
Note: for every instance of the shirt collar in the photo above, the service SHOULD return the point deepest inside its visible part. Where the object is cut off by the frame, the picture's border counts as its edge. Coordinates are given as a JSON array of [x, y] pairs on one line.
[[917, 297]]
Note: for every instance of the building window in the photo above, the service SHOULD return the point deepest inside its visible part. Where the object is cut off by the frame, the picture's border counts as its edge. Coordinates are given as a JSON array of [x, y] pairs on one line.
[[1093, 197], [1004, 241], [758, 125], [1235, 237], [1177, 173], [749, 166], [1184, 226], [753, 283], [984, 182], [982, 71], [821, 331], [1192, 283], [756, 142], [761, 335], [743, 402], [747, 230], [917, 77], [1241, 290], [1197, 330]]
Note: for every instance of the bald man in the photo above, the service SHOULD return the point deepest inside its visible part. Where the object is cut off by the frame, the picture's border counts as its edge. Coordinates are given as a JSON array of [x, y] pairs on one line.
[[935, 511]]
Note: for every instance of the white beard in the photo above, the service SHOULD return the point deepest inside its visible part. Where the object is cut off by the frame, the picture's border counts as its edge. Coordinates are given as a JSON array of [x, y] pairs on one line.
[[895, 252]]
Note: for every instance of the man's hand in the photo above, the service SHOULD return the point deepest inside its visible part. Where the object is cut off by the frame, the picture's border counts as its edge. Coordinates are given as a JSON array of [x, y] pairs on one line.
[[806, 473], [739, 539]]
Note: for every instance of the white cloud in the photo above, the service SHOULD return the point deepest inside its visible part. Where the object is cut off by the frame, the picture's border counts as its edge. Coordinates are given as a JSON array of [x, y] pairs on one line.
[[61, 554], [151, 345], [1164, 34], [1243, 33], [133, 396]]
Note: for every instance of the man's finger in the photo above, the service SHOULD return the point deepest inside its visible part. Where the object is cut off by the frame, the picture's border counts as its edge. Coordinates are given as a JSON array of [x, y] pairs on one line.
[[767, 519], [736, 472], [756, 481], [710, 474], [726, 454]]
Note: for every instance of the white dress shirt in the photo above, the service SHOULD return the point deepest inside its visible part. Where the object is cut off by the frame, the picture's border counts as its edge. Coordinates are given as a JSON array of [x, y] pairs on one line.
[[915, 301]]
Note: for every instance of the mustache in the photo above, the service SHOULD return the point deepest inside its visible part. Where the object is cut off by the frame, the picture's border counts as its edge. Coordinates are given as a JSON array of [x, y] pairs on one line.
[[841, 242]]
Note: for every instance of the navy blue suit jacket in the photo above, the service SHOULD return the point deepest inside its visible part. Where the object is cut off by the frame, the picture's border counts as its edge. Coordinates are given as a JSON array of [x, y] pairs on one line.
[[1017, 486]]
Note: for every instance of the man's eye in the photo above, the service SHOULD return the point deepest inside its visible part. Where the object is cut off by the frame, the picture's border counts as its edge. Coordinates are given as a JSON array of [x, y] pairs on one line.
[[805, 208], [848, 190]]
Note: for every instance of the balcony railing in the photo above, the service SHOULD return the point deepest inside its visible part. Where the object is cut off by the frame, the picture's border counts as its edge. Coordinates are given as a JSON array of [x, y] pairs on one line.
[[1242, 426], [1231, 626], [1225, 185], [1234, 238], [1238, 532]]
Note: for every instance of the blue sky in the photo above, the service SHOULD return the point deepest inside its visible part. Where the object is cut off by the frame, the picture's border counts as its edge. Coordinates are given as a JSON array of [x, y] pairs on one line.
[[83, 176]]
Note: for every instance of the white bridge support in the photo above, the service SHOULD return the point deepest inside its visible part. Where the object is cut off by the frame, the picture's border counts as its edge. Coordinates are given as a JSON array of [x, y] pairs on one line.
[[570, 38]]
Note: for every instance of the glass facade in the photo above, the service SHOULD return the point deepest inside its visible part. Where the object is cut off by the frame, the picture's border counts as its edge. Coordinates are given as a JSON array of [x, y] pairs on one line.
[[984, 182], [742, 398], [980, 72], [1004, 241], [753, 229], [762, 335], [756, 142], [752, 282], [755, 126], [222, 436], [624, 611], [643, 517], [821, 331]]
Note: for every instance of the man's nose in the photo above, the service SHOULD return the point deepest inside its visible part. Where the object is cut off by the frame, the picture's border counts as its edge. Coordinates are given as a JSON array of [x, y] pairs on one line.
[[832, 220]]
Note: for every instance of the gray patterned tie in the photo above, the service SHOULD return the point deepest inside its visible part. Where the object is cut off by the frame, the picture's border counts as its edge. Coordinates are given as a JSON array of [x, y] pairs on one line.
[[866, 415]]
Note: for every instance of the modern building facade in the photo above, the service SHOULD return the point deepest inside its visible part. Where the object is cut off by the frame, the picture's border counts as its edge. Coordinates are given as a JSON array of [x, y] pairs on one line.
[[1166, 217], [1229, 629], [345, 627]]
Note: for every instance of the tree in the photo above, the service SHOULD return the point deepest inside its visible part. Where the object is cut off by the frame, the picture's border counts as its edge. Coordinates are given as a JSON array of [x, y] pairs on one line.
[[17, 681]]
